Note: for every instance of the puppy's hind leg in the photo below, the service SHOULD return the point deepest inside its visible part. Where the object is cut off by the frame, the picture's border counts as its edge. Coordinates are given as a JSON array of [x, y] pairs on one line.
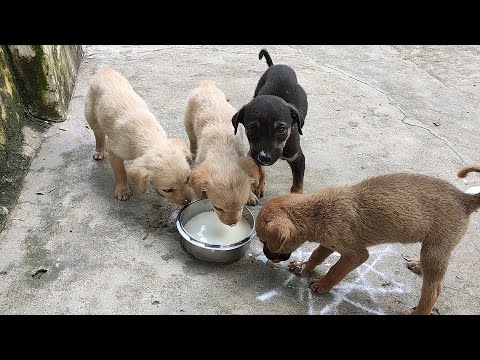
[[120, 176], [189, 129], [434, 257], [317, 257], [414, 265], [346, 264], [298, 170], [99, 145], [97, 130]]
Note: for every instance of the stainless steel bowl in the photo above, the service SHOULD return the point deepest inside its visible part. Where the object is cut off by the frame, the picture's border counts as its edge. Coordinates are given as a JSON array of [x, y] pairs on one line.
[[210, 252]]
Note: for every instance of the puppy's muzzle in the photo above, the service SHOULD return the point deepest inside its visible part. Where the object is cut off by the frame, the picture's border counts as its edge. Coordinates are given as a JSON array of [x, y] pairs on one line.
[[264, 158], [273, 256]]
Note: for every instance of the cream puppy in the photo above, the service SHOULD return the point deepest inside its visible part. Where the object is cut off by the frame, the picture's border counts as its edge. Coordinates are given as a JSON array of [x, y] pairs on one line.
[[114, 111], [222, 171]]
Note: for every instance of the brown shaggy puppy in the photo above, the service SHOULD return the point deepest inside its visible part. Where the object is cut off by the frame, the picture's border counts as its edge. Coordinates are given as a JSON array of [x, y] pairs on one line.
[[402, 208], [115, 111], [222, 171]]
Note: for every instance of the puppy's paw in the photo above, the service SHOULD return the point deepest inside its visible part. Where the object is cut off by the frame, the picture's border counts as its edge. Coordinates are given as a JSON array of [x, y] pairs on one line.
[[320, 285], [99, 155], [296, 189], [122, 193], [252, 199], [300, 267], [414, 265], [416, 312]]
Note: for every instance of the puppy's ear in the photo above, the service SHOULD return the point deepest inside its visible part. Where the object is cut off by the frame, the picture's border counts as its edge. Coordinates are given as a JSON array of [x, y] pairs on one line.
[[238, 119], [182, 146], [200, 179], [138, 174], [297, 118], [251, 168], [278, 231]]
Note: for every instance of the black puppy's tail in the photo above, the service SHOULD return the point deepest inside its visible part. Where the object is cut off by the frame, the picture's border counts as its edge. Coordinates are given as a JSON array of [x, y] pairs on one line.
[[265, 53]]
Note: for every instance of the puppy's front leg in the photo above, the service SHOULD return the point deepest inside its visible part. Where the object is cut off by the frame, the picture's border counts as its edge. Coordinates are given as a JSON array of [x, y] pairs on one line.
[[298, 170], [121, 184], [260, 189], [346, 263], [252, 199], [317, 257]]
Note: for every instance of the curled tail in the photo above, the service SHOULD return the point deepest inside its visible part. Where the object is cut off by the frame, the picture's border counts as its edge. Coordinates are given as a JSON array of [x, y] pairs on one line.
[[468, 169], [265, 53], [470, 200]]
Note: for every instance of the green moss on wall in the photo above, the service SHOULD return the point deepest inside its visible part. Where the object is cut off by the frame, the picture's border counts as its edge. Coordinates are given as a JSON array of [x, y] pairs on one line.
[[32, 82], [11, 110], [11, 137]]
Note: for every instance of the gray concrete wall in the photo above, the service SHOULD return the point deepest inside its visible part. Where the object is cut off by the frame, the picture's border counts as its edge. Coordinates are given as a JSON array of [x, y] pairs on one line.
[[36, 85]]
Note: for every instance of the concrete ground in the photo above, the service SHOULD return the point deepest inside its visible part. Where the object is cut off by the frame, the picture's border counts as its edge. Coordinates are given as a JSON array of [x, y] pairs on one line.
[[70, 247]]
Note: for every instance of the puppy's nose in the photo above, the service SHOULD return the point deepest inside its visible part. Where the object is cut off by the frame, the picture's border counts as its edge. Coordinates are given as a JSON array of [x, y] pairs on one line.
[[264, 157]]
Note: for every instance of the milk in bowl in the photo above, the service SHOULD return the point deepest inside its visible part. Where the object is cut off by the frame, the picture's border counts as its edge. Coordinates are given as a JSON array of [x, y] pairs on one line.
[[207, 228]]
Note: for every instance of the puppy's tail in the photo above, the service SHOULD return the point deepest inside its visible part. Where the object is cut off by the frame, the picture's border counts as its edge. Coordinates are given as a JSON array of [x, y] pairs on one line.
[[471, 200], [265, 53], [468, 169]]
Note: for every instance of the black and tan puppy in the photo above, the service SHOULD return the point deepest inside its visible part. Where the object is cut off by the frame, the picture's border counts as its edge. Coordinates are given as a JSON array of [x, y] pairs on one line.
[[273, 120], [395, 208]]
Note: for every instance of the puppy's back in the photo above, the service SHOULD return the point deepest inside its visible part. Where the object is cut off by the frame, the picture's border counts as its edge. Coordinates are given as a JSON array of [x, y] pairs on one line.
[[112, 93], [280, 80], [408, 207], [208, 106]]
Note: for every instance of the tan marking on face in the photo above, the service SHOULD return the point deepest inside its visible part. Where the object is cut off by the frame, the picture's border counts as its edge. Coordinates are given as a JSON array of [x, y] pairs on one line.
[[282, 144], [279, 123]]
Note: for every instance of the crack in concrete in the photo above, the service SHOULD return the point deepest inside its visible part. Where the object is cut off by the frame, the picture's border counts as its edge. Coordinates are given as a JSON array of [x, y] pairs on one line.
[[391, 102], [430, 73], [100, 52], [39, 117], [29, 202], [448, 143]]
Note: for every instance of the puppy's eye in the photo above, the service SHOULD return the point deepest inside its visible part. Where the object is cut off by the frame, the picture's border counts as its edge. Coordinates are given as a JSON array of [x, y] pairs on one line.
[[218, 209], [168, 190], [252, 129], [281, 130]]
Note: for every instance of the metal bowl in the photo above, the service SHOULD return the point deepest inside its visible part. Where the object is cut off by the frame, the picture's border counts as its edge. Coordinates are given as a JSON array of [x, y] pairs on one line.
[[211, 252]]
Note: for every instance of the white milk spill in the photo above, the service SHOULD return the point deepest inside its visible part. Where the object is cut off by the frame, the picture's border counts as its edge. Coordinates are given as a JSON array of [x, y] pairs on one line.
[[207, 228], [473, 190]]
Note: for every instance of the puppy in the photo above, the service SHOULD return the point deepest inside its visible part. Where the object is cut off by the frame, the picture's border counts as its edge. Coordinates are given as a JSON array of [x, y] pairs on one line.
[[402, 208], [114, 111], [222, 171], [273, 120]]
